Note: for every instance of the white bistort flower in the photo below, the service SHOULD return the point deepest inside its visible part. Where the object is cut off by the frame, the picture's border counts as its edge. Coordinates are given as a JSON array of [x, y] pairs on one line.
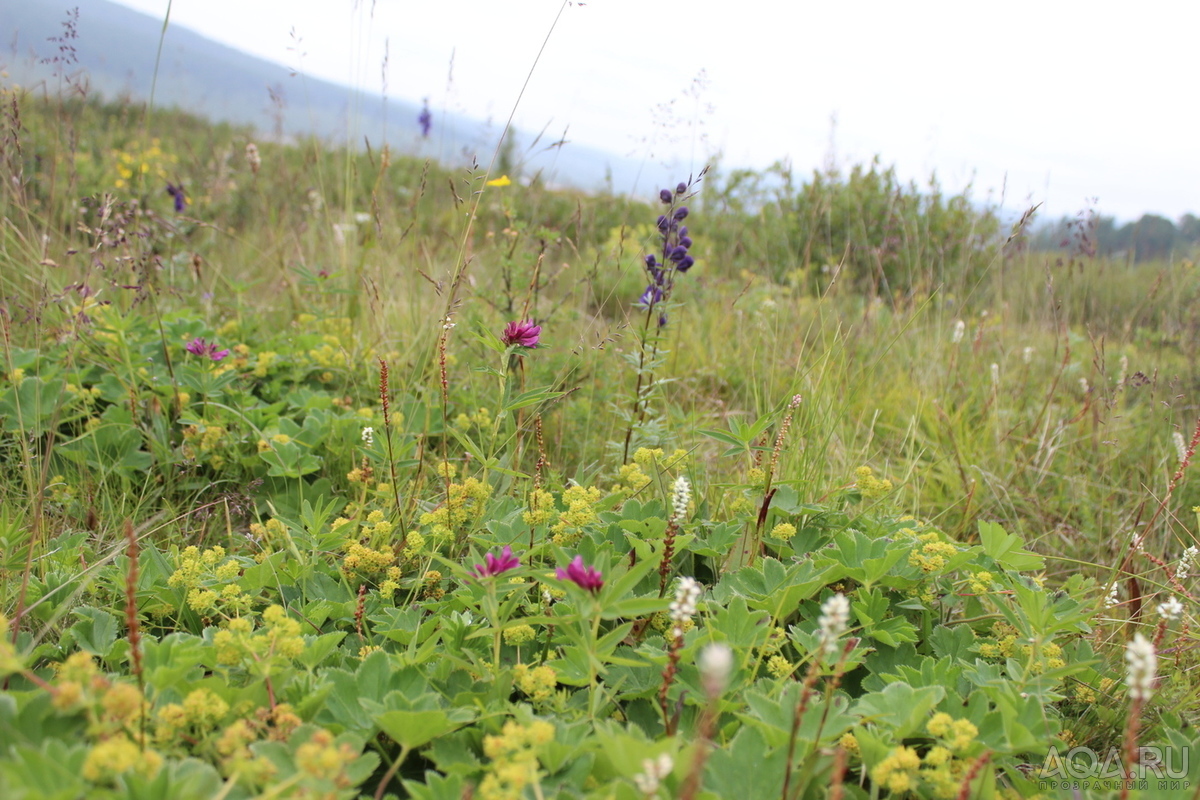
[[1171, 610], [1141, 667], [835, 613], [716, 665], [960, 330], [1186, 561], [681, 497], [653, 771], [683, 608]]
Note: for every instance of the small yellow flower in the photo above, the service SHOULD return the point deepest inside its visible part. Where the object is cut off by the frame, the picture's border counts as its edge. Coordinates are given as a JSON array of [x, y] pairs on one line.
[[500, 182], [784, 531]]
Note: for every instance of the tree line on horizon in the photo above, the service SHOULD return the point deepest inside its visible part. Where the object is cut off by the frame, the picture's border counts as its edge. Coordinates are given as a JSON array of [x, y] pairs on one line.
[[1149, 238]]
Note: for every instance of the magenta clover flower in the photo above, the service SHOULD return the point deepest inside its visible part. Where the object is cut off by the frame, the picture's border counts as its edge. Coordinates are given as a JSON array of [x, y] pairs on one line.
[[525, 334], [202, 348], [496, 564], [584, 577]]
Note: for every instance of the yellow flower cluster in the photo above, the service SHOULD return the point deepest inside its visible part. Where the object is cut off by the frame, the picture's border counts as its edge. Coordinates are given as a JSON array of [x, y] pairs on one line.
[[784, 531], [541, 507], [362, 561], [482, 419], [898, 772], [1048, 656], [150, 162], [849, 743], [637, 475], [204, 443], [780, 667], [981, 582], [741, 505], [932, 554], [270, 533], [263, 361], [324, 759], [958, 734], [200, 714], [869, 486], [432, 585], [581, 511], [390, 584], [661, 621], [537, 683], [631, 479], [465, 504], [514, 756], [209, 578], [115, 756], [519, 635], [279, 637]]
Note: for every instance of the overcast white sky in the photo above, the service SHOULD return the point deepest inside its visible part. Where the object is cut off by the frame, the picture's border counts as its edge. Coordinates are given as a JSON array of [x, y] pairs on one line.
[[1044, 101]]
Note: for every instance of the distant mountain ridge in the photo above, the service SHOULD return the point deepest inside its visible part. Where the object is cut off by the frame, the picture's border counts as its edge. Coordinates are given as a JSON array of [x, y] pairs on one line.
[[115, 48]]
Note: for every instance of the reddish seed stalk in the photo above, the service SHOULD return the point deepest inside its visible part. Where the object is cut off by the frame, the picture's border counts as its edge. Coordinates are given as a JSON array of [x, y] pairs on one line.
[[360, 611], [708, 719], [964, 791], [664, 567], [385, 399], [668, 676]]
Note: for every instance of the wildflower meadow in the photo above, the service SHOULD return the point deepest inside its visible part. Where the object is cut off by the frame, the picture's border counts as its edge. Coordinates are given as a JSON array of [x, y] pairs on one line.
[[337, 473]]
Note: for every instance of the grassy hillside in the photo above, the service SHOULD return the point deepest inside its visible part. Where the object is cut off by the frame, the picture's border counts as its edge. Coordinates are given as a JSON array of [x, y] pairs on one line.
[[113, 51], [273, 410]]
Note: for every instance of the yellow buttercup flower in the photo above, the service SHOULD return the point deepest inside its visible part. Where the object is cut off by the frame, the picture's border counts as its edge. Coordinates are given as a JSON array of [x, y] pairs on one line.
[[500, 182]]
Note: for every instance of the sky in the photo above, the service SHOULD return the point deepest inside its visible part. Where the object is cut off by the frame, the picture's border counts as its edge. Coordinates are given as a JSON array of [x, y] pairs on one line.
[[1073, 105]]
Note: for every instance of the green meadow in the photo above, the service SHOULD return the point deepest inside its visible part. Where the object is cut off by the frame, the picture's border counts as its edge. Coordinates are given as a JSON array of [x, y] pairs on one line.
[[336, 473]]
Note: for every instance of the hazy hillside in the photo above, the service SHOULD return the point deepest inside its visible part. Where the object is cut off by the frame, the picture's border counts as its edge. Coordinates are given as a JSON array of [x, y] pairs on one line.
[[115, 48]]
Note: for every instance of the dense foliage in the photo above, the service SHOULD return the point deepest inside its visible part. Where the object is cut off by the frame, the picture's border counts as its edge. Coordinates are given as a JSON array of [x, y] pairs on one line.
[[327, 474]]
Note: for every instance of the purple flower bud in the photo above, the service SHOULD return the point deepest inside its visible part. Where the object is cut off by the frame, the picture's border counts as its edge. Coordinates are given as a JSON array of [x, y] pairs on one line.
[[685, 264], [650, 261], [681, 188], [683, 231], [652, 295], [678, 253], [685, 240], [584, 577], [665, 196], [662, 320], [425, 120], [180, 198], [681, 212], [663, 223], [496, 564]]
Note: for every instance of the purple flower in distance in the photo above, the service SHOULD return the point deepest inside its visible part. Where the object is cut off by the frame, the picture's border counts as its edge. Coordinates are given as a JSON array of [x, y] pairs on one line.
[[584, 577], [495, 564], [665, 195], [180, 199], [681, 188], [200, 347], [425, 120], [525, 334]]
